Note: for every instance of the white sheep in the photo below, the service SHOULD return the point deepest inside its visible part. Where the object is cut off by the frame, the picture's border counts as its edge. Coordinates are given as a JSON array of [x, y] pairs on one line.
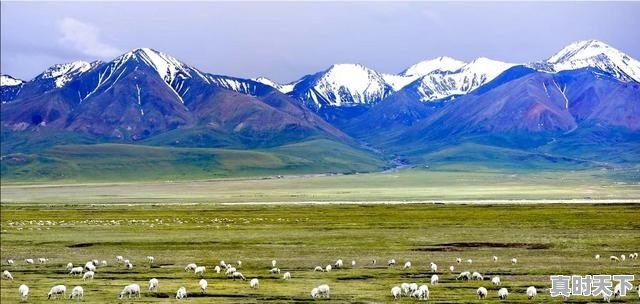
[[405, 288], [614, 258], [237, 275], [481, 292], [422, 293], [126, 261], [451, 268], [103, 263], [43, 260], [622, 257], [69, 266], [413, 287], [273, 263], [458, 260], [328, 268], [503, 293], [274, 270], [286, 276], [150, 259], [76, 270], [434, 279], [223, 264], [217, 269], [373, 262], [254, 283], [23, 292], [95, 262], [128, 266], [338, 263], [7, 275], [130, 290], [396, 292], [119, 258], [153, 285], [465, 275], [597, 256], [10, 262], [88, 275], [230, 270], [496, 281], [434, 267], [324, 291], [531, 292], [390, 262], [514, 261], [239, 263], [315, 293], [318, 268], [407, 265], [89, 266], [477, 276], [181, 293], [203, 285], [495, 258], [28, 261], [469, 261], [353, 263], [199, 271], [57, 290], [77, 293]]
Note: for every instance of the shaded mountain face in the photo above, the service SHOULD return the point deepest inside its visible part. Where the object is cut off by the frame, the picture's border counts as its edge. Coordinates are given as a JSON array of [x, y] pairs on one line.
[[145, 93]]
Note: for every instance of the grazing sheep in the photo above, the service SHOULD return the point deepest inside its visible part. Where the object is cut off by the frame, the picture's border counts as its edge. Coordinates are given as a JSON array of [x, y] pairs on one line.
[[88, 275], [597, 256], [324, 291], [23, 292], [203, 285], [451, 268], [200, 270], [422, 293], [396, 292], [328, 268], [413, 287], [119, 258], [318, 268], [95, 262], [10, 262], [469, 261], [635, 255], [237, 275], [43, 260], [458, 260], [181, 293], [614, 258], [223, 264], [514, 261], [315, 293], [434, 279], [391, 262], [150, 259], [76, 270], [274, 270], [254, 283], [239, 263], [407, 265], [286, 276], [482, 293], [405, 288], [496, 281], [28, 261], [230, 270], [531, 292], [273, 263], [103, 263], [622, 257], [7, 275], [464, 276], [503, 293], [373, 262], [153, 285], [477, 276], [130, 290], [217, 269], [338, 263], [353, 263], [77, 292], [128, 266], [57, 290], [434, 267], [89, 266], [126, 261], [69, 266], [495, 258]]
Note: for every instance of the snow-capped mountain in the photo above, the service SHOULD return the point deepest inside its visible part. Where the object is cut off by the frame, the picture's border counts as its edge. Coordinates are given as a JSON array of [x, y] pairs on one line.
[[595, 54], [9, 87], [284, 88], [6, 80], [342, 85]]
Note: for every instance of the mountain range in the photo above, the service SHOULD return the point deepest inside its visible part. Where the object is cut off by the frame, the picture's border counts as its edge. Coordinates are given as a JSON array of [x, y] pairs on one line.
[[585, 97]]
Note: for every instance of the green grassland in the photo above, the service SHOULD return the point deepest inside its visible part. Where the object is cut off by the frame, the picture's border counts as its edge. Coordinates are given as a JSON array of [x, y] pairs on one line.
[[546, 239]]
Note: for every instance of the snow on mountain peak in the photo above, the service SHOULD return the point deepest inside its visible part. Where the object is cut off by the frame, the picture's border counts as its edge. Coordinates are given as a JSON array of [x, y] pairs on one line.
[[442, 63], [283, 88], [166, 66], [6, 80], [63, 73], [596, 54]]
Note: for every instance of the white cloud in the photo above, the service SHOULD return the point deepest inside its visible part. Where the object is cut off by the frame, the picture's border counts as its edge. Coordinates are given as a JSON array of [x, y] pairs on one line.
[[85, 38]]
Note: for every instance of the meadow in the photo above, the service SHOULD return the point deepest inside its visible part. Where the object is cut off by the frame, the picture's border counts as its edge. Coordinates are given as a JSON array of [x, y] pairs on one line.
[[306, 221]]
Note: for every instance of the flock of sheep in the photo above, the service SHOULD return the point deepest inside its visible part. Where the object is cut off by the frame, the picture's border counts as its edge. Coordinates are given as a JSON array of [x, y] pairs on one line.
[[412, 290]]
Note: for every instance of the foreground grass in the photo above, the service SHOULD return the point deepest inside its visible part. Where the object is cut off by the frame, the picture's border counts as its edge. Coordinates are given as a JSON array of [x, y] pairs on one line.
[[546, 239]]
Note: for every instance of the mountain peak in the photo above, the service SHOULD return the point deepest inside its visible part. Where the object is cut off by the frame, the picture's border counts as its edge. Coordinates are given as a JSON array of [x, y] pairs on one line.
[[582, 50], [65, 72], [425, 67], [165, 65], [6, 80]]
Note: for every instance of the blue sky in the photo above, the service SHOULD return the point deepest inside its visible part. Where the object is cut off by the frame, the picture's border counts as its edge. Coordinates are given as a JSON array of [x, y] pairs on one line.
[[286, 40]]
